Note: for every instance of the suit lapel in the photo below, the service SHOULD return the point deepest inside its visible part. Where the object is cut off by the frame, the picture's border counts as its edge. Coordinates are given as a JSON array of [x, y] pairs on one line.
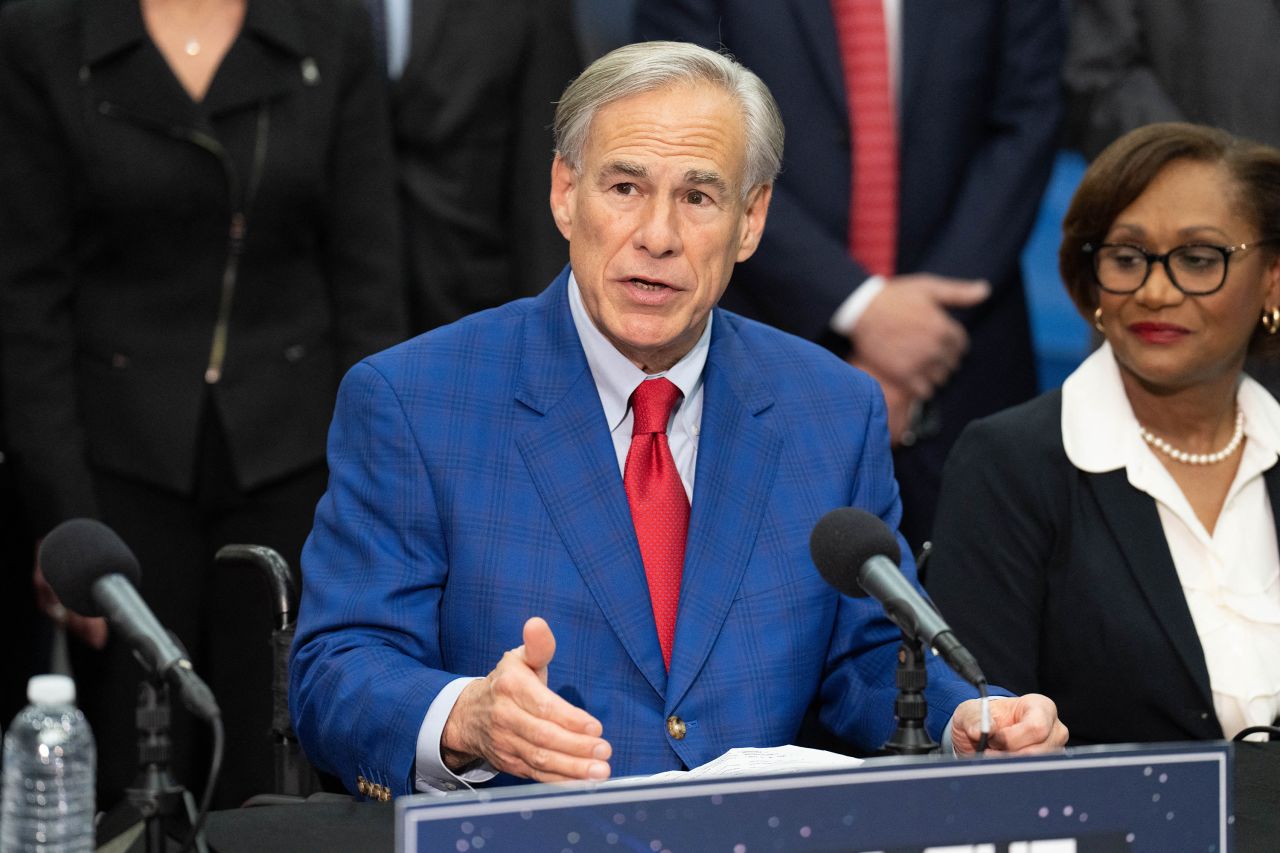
[[737, 460], [1135, 526], [918, 28], [266, 61], [571, 459], [426, 17], [818, 26], [127, 74]]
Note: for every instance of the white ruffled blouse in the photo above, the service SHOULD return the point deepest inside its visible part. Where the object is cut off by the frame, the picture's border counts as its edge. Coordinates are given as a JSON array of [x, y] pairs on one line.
[[1231, 578]]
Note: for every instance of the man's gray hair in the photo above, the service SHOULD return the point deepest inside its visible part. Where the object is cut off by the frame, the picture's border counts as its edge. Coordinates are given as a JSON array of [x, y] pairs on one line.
[[652, 65]]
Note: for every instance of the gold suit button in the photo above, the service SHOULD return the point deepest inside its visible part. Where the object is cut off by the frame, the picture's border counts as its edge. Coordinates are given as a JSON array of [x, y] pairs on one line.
[[675, 727]]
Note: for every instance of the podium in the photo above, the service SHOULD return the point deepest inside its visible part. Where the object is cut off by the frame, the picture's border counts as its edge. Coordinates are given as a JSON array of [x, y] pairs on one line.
[[1090, 800]]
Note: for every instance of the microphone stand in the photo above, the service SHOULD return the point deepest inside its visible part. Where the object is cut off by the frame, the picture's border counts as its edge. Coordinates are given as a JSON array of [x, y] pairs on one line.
[[165, 805], [910, 707]]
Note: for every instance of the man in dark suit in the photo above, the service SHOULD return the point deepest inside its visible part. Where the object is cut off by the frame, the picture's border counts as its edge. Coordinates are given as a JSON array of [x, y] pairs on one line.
[[538, 460], [976, 88], [1128, 64], [472, 98]]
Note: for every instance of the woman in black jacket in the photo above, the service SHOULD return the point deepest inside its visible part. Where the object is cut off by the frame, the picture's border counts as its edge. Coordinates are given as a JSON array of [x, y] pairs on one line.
[[199, 237], [1114, 544]]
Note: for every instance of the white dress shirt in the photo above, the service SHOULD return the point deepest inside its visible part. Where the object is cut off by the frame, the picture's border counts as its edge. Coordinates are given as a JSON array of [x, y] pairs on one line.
[[399, 20], [1230, 577]]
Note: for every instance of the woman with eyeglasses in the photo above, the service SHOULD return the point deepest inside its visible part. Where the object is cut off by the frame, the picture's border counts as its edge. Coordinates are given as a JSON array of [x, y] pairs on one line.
[[1113, 544]]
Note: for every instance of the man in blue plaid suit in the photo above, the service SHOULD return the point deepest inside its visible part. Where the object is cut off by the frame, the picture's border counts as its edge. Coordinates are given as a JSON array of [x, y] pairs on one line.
[[476, 500]]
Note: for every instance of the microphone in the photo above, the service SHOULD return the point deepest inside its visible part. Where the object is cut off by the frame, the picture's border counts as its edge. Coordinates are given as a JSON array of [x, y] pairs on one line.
[[858, 554], [94, 573]]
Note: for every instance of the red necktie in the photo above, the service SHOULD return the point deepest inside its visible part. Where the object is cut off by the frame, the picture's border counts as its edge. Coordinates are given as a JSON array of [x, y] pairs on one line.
[[659, 505], [873, 202]]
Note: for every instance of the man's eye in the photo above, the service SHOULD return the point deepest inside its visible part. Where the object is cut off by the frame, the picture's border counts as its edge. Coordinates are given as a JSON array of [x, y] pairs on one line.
[[697, 197], [624, 189]]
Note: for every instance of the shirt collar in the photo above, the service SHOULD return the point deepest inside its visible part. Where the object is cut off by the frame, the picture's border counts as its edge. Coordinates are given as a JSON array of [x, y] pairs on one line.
[[1100, 432], [615, 376]]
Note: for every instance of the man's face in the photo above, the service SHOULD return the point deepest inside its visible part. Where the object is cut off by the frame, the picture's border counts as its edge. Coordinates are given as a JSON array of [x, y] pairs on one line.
[[656, 218]]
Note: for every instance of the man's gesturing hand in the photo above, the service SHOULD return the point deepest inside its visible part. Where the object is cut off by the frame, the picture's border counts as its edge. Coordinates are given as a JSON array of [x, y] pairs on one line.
[[906, 336], [1022, 725], [512, 720]]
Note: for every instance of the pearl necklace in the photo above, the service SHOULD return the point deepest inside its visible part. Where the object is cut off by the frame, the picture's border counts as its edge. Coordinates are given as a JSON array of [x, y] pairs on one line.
[[1196, 458]]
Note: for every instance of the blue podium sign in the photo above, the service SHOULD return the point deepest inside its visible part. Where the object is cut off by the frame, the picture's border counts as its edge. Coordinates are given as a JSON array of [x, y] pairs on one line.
[[1090, 800]]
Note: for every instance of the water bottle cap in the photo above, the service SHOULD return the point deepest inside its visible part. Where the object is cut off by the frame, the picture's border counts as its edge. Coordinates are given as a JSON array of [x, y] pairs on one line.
[[51, 690]]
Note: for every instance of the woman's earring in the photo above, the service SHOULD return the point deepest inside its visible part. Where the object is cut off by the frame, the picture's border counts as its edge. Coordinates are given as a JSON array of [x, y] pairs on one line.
[[1097, 318], [1271, 320]]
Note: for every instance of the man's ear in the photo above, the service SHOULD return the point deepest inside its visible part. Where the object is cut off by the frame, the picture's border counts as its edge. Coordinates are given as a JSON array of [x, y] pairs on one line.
[[564, 183], [753, 217]]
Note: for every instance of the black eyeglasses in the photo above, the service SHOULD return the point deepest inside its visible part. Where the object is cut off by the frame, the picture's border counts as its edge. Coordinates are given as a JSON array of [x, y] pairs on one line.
[[1197, 269]]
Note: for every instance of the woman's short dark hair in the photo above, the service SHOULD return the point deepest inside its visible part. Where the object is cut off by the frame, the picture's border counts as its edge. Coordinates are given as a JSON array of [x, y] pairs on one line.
[[1126, 168]]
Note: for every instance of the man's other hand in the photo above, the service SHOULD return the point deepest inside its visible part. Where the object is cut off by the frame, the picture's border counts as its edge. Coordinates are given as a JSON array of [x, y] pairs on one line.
[[900, 406], [1023, 725], [907, 338], [92, 630], [512, 720]]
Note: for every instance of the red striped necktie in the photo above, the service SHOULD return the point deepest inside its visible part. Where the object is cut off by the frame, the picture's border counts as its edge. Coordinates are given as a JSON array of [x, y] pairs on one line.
[[873, 127], [659, 505]]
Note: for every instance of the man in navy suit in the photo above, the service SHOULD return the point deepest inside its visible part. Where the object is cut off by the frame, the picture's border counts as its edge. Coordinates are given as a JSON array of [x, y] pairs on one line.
[[976, 89], [493, 481], [472, 139]]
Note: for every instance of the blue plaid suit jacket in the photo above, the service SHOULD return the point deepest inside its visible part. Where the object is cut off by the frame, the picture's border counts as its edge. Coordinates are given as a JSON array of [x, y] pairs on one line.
[[474, 484]]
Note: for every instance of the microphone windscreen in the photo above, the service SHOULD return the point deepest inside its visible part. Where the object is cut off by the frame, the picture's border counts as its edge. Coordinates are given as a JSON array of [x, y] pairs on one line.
[[843, 540], [78, 552]]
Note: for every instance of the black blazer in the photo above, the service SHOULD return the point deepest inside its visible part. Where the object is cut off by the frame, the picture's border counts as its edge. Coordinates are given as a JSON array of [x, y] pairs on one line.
[[978, 116], [124, 204], [472, 114], [1061, 582]]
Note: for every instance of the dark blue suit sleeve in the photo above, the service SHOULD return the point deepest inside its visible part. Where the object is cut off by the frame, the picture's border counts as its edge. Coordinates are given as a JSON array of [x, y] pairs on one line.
[[978, 131], [988, 222]]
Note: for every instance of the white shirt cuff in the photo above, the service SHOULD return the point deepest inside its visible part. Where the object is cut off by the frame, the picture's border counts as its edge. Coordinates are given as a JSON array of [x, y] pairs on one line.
[[948, 745], [430, 775], [852, 309]]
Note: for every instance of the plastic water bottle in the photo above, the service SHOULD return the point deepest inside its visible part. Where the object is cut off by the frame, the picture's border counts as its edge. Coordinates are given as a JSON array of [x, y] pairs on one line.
[[49, 766]]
